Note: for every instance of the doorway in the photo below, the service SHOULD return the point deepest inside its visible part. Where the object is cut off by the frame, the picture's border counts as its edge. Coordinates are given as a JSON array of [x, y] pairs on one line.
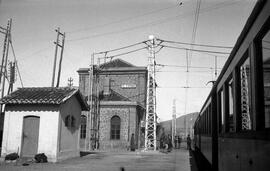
[[30, 136]]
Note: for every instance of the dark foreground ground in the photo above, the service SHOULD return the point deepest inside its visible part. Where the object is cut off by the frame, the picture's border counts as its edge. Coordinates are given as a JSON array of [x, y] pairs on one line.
[[177, 160]]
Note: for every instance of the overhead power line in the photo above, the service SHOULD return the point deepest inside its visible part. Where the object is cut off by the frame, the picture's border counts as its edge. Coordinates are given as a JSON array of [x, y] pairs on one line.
[[193, 44], [190, 71], [183, 66], [160, 45], [197, 50], [121, 48], [185, 87], [125, 53]]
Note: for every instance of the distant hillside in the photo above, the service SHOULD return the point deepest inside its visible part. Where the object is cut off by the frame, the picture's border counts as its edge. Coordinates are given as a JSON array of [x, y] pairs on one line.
[[184, 124]]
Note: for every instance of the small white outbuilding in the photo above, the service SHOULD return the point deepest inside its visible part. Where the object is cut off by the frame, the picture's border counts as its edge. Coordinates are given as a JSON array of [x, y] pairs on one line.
[[43, 120]]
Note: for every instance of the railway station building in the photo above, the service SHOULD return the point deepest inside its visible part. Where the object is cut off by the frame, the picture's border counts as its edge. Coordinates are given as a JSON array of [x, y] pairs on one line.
[[43, 120], [116, 93]]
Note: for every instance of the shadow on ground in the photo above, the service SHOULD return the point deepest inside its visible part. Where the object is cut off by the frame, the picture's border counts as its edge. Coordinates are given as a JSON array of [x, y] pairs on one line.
[[198, 162], [85, 153]]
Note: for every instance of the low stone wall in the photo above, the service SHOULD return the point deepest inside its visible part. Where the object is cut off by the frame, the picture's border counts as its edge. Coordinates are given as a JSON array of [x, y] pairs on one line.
[[114, 145]]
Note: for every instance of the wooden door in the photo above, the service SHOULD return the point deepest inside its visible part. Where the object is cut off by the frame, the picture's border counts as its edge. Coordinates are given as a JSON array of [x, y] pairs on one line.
[[30, 136]]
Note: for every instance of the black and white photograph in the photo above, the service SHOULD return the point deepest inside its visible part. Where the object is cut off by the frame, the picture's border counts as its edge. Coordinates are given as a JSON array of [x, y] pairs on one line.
[[134, 85]]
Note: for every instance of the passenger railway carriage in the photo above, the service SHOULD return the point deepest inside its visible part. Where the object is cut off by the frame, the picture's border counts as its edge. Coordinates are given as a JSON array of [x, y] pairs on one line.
[[233, 128]]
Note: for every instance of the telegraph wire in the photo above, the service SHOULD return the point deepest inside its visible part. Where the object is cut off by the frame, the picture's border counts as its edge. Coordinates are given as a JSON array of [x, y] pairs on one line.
[[38, 51], [189, 55], [220, 5], [124, 19]]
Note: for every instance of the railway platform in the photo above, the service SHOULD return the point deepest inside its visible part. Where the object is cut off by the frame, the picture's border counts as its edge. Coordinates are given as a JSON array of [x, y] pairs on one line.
[[176, 160]]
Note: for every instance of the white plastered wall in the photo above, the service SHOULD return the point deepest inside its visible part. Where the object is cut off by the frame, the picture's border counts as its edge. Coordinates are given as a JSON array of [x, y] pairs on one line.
[[69, 139], [48, 126]]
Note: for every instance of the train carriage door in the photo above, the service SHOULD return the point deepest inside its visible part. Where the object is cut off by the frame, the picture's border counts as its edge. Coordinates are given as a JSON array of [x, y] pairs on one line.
[[30, 136]]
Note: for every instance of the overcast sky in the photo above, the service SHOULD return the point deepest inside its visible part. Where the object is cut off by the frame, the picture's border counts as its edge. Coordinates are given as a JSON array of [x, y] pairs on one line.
[[100, 25]]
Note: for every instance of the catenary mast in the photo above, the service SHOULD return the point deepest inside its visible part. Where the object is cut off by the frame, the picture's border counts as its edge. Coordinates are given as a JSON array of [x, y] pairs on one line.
[[150, 125]]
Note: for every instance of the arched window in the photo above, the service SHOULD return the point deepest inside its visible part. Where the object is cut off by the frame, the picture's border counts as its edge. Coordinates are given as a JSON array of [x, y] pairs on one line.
[[83, 127], [115, 127], [70, 121], [67, 121], [73, 122]]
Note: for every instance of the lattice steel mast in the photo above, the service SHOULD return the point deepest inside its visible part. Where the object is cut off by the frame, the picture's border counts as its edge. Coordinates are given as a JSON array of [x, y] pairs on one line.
[[246, 124], [150, 124]]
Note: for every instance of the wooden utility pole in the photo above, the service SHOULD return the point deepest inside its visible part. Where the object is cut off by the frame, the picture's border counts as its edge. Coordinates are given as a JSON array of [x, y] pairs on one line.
[[61, 58], [57, 44], [6, 59], [5, 31], [3, 68]]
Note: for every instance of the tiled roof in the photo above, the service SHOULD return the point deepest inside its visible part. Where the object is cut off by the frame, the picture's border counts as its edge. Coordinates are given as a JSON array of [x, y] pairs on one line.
[[42, 95], [116, 63], [114, 96]]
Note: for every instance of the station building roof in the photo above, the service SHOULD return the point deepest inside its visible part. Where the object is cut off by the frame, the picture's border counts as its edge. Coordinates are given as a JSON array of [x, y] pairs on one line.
[[44, 95]]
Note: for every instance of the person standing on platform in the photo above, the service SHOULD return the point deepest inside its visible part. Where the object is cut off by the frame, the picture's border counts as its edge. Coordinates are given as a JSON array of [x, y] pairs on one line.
[[175, 142], [132, 143], [162, 140], [188, 142], [179, 141], [169, 143]]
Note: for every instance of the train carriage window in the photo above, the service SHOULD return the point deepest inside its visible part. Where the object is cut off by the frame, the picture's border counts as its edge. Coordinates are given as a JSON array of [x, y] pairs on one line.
[[204, 123], [207, 121], [266, 76], [245, 95], [207, 126], [210, 119], [231, 120], [221, 110]]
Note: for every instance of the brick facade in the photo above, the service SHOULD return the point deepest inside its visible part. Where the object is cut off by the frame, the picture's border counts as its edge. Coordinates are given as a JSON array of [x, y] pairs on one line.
[[128, 116]]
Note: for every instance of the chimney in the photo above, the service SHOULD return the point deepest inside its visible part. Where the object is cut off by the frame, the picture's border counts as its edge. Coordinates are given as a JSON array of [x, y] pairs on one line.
[[107, 89]]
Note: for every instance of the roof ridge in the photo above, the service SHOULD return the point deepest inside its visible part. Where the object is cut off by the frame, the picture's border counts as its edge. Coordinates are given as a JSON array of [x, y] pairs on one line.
[[126, 98], [114, 62], [39, 95]]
